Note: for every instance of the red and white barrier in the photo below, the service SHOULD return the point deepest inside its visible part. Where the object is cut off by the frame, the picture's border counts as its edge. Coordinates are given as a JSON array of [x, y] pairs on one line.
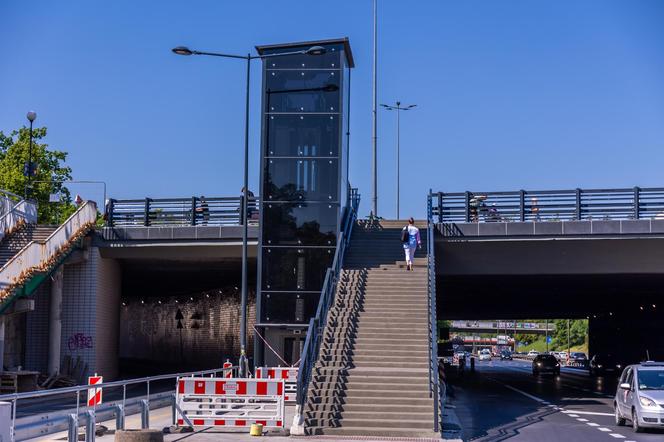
[[94, 394], [288, 374], [228, 369], [234, 402]]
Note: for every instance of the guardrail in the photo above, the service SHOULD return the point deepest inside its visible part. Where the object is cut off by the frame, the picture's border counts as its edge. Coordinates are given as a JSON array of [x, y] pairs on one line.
[[563, 362], [502, 325], [193, 211], [435, 390], [317, 323], [86, 416], [549, 205]]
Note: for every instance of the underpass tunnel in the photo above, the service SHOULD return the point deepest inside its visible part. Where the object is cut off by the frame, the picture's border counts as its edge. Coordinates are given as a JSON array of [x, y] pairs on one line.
[[181, 315], [615, 284]]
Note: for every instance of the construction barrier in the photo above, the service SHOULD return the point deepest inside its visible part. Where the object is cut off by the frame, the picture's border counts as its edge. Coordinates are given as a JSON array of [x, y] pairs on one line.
[[94, 394], [288, 374], [235, 402], [228, 369]]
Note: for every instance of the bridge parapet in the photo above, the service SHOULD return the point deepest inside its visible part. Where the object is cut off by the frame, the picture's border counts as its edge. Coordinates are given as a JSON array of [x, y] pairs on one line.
[[192, 211], [549, 205]]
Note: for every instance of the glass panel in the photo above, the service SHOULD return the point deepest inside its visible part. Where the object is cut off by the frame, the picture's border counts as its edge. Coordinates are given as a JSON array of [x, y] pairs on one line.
[[328, 60], [301, 180], [302, 91], [295, 269], [288, 308], [312, 224], [303, 135]]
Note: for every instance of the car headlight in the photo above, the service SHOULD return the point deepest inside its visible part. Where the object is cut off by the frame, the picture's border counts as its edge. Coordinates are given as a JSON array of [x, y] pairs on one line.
[[618, 366], [647, 402], [539, 364], [557, 365], [599, 365]]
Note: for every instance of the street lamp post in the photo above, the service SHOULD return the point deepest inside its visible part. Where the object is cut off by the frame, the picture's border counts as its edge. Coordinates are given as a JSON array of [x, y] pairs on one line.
[[397, 107], [182, 50], [32, 116]]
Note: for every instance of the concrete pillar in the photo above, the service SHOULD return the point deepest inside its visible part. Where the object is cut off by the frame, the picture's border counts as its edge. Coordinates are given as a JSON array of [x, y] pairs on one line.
[[2, 342], [55, 322]]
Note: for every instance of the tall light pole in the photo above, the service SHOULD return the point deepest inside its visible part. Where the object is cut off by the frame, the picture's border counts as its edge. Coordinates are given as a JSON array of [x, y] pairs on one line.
[[31, 116], [397, 107], [182, 50], [374, 113]]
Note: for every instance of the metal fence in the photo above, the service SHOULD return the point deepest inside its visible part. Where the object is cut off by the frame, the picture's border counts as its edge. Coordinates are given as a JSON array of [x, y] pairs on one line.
[[317, 323], [86, 416], [193, 211], [436, 390], [549, 205]]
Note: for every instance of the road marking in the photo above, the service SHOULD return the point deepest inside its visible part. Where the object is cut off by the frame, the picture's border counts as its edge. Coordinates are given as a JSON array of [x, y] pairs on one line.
[[593, 413], [606, 430], [616, 435], [582, 419], [528, 395], [592, 424], [571, 415]]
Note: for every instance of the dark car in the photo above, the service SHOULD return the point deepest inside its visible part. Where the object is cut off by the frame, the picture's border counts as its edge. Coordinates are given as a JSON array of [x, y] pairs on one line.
[[578, 358], [602, 364], [505, 355], [546, 364]]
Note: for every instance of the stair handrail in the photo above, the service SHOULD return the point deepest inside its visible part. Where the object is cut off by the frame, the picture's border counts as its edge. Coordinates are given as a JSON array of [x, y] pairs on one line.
[[317, 323], [435, 389], [40, 256]]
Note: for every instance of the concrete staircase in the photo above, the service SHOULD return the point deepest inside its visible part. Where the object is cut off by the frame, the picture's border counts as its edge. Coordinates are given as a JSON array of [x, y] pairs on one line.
[[12, 244], [372, 373]]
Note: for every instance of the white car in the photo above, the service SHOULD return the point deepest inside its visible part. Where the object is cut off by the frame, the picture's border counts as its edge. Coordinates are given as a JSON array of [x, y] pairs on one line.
[[485, 355], [533, 353], [562, 355]]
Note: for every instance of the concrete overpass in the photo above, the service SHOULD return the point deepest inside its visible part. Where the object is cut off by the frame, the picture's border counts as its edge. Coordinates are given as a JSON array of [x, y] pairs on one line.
[[588, 254], [500, 327]]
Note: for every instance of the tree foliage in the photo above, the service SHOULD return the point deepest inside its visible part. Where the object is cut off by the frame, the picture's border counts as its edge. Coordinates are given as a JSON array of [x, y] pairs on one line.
[[50, 172]]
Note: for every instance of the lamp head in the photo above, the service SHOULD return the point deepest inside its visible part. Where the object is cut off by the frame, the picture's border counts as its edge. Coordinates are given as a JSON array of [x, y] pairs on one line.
[[182, 50], [315, 50], [32, 116]]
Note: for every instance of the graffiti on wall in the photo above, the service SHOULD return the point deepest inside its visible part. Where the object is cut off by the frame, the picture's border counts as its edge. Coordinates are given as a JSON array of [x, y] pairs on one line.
[[79, 341]]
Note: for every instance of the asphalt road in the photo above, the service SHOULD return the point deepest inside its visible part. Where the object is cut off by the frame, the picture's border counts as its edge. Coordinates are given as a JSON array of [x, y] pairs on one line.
[[504, 401]]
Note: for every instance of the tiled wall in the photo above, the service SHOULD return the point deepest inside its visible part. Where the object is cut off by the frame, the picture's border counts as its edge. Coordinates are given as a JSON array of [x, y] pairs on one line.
[[79, 312]]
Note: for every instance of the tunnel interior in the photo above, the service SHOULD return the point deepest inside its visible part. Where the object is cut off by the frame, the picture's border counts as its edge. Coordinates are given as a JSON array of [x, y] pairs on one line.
[[597, 280], [181, 315]]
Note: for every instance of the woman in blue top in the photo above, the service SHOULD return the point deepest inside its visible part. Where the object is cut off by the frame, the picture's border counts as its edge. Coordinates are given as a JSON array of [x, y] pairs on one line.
[[413, 242]]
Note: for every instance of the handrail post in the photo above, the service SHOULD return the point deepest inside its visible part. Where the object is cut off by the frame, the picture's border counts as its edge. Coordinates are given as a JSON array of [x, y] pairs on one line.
[[467, 207], [146, 212], [522, 205], [109, 212], [440, 207], [578, 204], [637, 202], [193, 210]]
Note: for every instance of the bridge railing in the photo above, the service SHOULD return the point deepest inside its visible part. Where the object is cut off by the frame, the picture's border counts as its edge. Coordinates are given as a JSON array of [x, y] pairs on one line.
[[549, 205], [436, 387], [193, 211], [314, 337]]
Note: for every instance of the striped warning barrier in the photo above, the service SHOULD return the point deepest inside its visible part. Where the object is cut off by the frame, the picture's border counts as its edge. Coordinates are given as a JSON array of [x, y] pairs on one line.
[[234, 402], [288, 374], [228, 369]]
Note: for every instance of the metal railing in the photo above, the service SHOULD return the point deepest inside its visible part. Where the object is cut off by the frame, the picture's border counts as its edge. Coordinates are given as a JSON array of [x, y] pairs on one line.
[[86, 416], [435, 390], [193, 211], [549, 205], [317, 323], [13, 214]]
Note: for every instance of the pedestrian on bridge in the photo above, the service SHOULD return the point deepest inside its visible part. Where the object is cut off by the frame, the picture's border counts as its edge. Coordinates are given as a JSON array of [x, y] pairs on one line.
[[410, 237]]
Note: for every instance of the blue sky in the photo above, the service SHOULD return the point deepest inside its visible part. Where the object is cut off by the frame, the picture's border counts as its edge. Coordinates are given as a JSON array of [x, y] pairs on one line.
[[511, 94]]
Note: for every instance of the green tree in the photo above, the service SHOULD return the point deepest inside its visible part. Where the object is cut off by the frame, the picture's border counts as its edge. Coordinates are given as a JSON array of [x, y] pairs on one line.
[[50, 172]]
